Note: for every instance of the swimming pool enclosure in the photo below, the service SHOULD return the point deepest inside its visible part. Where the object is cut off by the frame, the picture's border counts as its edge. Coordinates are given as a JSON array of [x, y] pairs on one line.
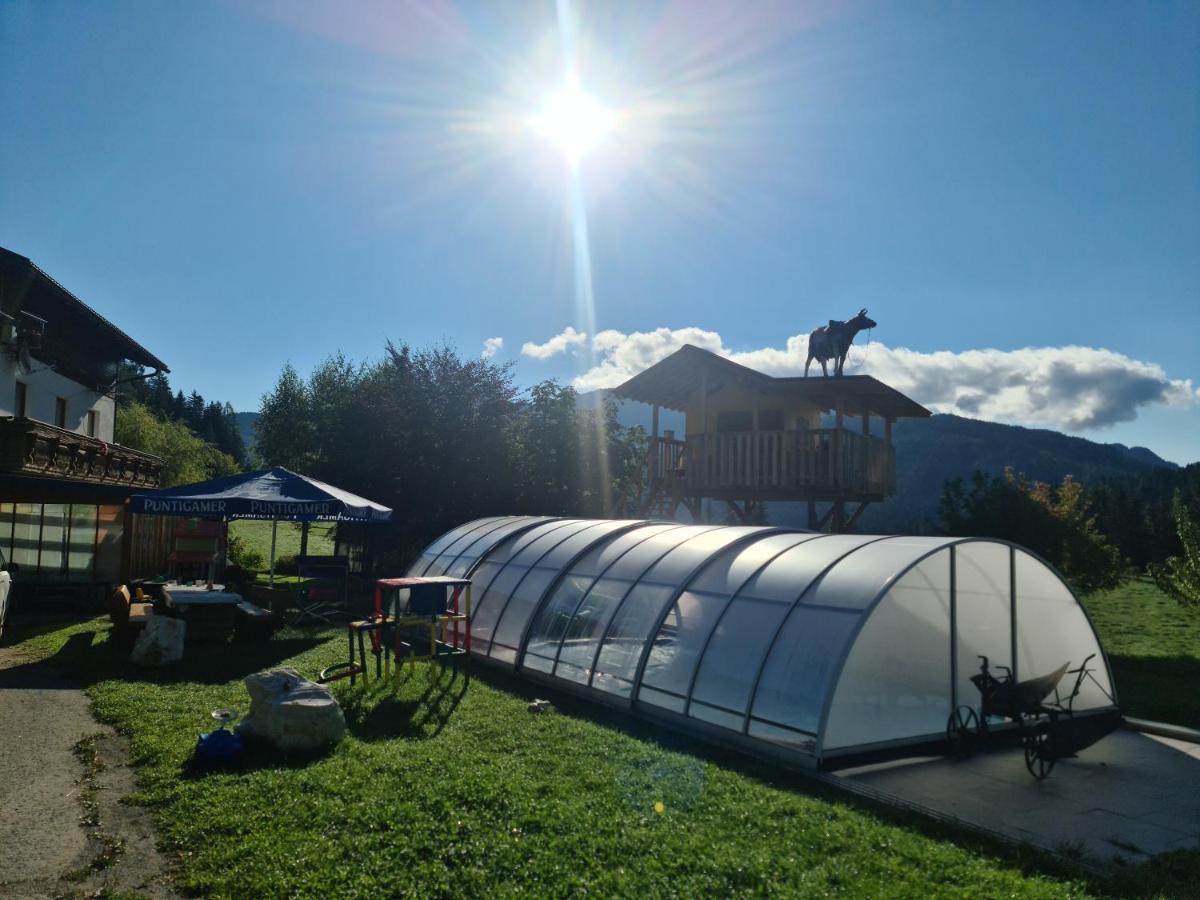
[[807, 645]]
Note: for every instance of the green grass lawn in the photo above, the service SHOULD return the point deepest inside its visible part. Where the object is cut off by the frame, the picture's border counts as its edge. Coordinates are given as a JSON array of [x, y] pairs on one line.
[[256, 535], [1153, 644], [443, 788]]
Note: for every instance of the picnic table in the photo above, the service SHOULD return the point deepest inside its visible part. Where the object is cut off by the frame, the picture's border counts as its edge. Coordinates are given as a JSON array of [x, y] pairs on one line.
[[210, 615]]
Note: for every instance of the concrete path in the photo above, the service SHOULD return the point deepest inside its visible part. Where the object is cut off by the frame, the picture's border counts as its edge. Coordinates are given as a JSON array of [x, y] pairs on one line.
[[63, 828], [1131, 795]]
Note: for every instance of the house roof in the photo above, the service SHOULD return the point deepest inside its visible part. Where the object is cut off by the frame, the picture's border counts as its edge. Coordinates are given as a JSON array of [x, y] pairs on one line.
[[47, 299], [670, 382]]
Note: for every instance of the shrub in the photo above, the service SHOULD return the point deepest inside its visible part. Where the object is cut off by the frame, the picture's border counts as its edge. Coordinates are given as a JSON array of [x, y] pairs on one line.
[[286, 565], [1053, 522], [244, 556], [1179, 576]]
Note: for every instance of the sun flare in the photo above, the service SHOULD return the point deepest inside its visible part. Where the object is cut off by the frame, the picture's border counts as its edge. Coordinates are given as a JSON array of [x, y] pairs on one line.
[[574, 122]]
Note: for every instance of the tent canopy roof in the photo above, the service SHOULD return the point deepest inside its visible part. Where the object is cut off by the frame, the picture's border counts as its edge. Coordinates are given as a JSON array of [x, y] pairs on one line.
[[274, 493]]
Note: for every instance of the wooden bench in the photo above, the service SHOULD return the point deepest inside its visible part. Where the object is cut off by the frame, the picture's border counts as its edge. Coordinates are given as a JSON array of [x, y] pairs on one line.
[[254, 621]]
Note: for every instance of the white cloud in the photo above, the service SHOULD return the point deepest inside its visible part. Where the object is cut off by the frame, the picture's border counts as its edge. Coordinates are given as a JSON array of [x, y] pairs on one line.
[[1069, 388], [491, 346], [560, 343]]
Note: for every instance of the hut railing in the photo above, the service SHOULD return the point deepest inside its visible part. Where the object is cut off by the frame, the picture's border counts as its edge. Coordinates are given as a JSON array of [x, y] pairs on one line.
[[821, 459]]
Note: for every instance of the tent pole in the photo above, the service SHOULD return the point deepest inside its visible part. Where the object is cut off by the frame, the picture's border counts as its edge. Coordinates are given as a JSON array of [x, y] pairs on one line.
[[274, 526]]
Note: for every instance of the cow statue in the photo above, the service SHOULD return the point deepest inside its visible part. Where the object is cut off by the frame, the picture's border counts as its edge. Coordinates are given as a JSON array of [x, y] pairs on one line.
[[833, 341]]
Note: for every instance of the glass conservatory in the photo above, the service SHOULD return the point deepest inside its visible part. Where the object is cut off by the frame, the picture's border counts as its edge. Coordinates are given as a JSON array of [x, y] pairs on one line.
[[811, 646]]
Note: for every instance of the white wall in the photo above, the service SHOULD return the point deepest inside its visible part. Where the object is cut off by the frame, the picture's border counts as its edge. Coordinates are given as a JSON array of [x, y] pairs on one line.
[[45, 385]]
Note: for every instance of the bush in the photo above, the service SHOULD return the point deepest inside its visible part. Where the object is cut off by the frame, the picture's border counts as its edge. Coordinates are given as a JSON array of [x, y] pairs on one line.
[[286, 565], [1179, 576], [1053, 522], [244, 556]]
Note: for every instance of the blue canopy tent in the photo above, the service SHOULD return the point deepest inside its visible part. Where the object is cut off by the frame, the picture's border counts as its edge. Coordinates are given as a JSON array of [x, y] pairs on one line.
[[275, 493]]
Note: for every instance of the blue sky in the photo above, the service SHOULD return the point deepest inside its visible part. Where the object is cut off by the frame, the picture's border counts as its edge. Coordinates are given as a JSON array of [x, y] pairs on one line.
[[1012, 190]]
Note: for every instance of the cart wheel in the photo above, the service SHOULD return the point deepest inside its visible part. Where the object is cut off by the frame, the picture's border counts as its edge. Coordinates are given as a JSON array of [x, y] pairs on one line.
[[1040, 752], [962, 732]]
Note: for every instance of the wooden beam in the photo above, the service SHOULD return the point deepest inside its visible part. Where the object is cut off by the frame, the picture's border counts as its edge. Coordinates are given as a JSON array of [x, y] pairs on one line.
[[887, 429], [737, 511], [825, 518], [654, 422], [858, 512], [812, 515]]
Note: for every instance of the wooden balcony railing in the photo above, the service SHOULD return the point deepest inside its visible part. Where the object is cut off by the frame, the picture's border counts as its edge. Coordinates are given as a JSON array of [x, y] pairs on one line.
[[29, 447], [780, 464]]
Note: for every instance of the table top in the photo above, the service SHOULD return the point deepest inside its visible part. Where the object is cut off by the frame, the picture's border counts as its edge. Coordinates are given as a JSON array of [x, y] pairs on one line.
[[186, 595], [190, 588]]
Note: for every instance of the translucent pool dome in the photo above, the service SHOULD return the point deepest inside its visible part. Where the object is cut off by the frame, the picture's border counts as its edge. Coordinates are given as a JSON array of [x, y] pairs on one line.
[[812, 646]]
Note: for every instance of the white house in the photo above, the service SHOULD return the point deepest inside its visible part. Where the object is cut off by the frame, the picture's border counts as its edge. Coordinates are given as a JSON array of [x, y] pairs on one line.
[[63, 482]]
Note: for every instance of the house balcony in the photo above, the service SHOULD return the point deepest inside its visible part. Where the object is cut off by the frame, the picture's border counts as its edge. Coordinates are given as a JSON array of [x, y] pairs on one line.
[[821, 464], [32, 448]]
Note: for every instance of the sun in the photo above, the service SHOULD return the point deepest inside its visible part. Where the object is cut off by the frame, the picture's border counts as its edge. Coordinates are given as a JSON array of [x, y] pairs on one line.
[[574, 122]]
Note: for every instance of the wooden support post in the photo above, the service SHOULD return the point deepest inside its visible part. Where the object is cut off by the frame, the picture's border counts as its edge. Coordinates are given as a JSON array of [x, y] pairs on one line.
[[654, 421], [866, 422], [127, 545], [812, 515], [887, 430], [854, 516]]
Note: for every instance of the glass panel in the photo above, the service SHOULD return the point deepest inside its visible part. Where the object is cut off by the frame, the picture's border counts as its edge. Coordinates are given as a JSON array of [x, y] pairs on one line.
[[638, 618], [1052, 629], [714, 716], [110, 527], [728, 574], [500, 556], [54, 542], [681, 563], [896, 682], [672, 702], [520, 605], [857, 580], [458, 538], [983, 613], [82, 550], [483, 543], [562, 555], [798, 673], [439, 545], [633, 565], [6, 527], [731, 662], [587, 625], [626, 637], [793, 740], [527, 551], [691, 620], [598, 561], [27, 527], [551, 622]]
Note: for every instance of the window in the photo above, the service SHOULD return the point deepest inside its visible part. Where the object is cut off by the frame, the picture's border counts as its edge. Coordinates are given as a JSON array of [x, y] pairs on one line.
[[60, 412], [93, 422], [21, 408], [735, 420], [770, 420]]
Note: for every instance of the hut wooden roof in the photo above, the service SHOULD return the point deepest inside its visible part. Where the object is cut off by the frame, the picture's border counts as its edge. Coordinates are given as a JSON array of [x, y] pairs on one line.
[[670, 381]]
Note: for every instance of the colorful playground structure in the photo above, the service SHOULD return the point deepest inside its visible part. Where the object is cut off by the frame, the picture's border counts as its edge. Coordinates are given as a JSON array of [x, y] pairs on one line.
[[414, 619]]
